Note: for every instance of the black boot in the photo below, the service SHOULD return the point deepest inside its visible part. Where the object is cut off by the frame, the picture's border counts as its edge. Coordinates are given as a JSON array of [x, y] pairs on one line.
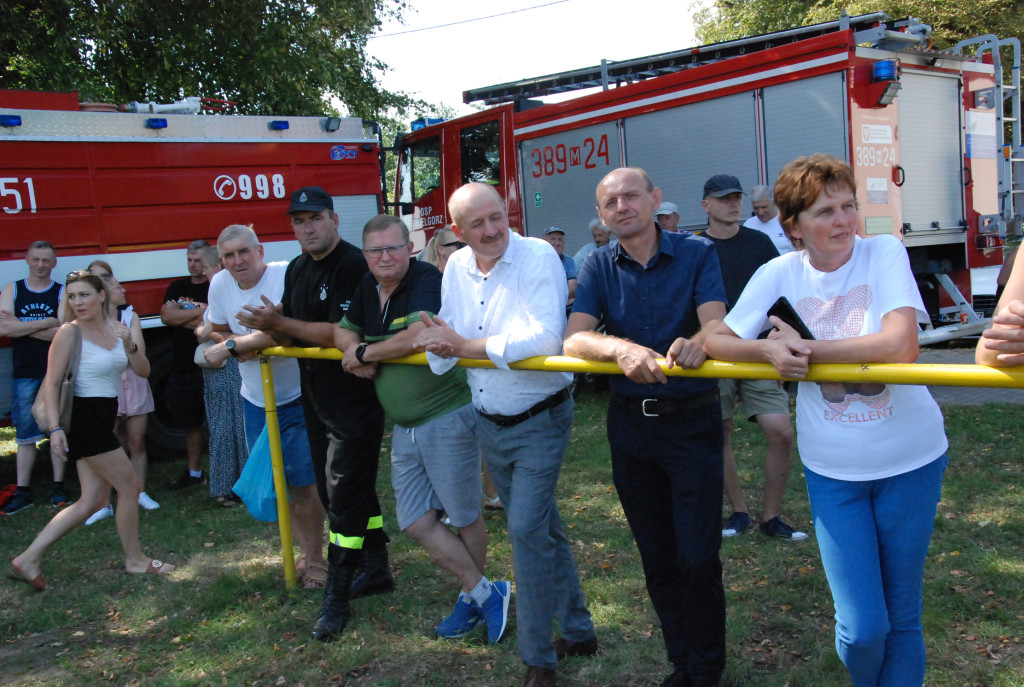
[[375, 577], [334, 612]]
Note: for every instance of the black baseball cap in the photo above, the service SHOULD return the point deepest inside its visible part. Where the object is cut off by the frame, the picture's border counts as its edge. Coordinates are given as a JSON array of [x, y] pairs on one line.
[[722, 185], [310, 199]]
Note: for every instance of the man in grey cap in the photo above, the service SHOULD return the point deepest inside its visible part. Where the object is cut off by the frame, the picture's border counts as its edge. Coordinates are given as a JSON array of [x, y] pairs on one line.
[[556, 237], [667, 217], [343, 418]]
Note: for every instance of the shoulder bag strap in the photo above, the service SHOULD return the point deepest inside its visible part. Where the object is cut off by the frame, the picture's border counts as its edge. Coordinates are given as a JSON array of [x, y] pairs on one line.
[[76, 353]]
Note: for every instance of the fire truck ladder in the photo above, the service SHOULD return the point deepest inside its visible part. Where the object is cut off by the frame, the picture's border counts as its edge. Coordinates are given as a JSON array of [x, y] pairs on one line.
[[875, 28], [1008, 129], [1006, 91]]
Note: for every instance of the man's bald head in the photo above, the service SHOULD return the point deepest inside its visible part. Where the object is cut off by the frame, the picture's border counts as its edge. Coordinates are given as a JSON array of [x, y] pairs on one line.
[[468, 194], [480, 221]]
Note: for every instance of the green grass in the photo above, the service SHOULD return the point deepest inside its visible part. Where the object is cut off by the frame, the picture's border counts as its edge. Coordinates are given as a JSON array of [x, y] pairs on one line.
[[225, 619]]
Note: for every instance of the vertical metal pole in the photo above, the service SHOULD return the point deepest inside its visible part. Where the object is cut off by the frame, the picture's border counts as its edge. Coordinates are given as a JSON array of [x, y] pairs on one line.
[[277, 463]]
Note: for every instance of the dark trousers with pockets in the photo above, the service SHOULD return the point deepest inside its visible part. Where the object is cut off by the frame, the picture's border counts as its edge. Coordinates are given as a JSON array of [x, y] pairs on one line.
[[668, 473]]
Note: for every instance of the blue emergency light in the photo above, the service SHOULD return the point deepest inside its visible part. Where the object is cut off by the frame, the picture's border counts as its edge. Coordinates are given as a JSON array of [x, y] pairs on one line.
[[10, 120], [885, 70], [424, 122], [278, 125], [156, 122]]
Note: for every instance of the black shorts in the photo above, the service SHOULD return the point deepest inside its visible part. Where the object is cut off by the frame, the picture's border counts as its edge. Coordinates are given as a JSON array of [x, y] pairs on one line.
[[92, 427], [185, 400]]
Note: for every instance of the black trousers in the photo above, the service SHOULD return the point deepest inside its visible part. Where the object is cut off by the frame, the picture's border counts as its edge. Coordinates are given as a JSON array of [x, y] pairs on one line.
[[668, 473], [346, 457]]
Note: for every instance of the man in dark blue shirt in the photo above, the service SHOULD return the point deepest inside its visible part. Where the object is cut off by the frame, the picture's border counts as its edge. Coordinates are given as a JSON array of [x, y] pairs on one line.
[[659, 293]]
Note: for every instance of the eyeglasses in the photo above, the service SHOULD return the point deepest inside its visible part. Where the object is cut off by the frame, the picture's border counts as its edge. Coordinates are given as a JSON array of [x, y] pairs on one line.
[[454, 244], [78, 274], [392, 251]]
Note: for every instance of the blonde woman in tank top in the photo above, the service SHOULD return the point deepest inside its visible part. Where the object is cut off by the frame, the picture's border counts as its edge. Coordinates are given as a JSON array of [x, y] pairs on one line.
[[107, 348]]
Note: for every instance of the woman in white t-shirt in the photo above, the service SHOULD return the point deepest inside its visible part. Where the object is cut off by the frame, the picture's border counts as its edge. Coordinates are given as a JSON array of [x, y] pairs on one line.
[[874, 454]]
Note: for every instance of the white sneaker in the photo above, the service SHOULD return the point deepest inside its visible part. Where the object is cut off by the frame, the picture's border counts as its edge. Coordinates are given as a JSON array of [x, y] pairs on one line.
[[105, 512], [147, 503]]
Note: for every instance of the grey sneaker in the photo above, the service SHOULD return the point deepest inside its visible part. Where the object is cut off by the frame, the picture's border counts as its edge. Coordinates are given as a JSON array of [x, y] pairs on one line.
[[778, 528], [737, 524]]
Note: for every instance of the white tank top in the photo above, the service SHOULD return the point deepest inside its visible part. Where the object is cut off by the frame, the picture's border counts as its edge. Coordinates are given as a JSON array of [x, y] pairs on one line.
[[99, 370]]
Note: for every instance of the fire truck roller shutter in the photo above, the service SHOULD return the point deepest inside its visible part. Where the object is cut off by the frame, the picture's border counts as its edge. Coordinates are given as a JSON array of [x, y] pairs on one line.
[[929, 151], [681, 147], [355, 211], [802, 118], [560, 176]]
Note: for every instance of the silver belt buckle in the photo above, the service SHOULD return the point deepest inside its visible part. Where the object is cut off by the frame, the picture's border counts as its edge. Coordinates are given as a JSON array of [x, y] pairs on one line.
[[643, 407]]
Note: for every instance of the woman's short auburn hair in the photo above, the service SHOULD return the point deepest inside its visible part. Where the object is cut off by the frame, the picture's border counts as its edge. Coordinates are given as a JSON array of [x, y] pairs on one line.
[[802, 181]]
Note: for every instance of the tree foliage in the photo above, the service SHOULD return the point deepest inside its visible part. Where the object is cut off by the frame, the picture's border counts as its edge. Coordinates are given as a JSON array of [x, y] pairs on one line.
[[951, 20], [270, 56]]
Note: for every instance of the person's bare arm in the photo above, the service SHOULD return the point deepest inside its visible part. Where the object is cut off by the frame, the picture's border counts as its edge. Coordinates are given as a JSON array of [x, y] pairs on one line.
[[1002, 345], [246, 345], [788, 353], [11, 326], [57, 362], [443, 341], [896, 343], [173, 315], [637, 362], [689, 353], [136, 352], [286, 330]]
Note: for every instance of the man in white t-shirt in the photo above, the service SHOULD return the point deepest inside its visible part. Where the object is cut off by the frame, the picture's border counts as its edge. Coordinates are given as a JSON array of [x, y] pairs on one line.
[[249, 281], [766, 219]]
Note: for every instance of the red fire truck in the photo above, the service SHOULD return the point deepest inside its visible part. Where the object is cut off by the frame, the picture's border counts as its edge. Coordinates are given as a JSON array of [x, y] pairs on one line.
[[136, 188], [922, 129]]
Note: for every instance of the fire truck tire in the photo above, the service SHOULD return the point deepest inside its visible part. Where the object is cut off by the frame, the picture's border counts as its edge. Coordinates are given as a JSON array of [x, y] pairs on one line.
[[162, 440]]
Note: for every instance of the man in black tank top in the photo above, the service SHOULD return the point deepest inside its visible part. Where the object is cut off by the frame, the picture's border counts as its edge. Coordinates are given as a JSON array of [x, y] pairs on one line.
[[29, 316]]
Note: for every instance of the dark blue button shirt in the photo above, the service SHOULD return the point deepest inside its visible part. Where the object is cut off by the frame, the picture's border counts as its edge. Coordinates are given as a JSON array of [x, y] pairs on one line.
[[652, 304]]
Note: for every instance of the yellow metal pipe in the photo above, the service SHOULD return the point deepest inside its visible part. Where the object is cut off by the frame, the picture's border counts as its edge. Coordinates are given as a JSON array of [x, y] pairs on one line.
[[933, 375], [277, 464]]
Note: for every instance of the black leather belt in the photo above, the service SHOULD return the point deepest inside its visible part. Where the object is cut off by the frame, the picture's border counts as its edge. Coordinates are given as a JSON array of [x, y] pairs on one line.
[[653, 407], [513, 420]]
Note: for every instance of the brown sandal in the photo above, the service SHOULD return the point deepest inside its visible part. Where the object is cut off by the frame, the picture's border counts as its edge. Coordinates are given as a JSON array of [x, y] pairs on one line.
[[315, 577]]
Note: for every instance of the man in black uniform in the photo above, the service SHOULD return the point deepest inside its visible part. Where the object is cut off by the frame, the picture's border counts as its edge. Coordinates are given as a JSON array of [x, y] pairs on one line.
[[343, 418]]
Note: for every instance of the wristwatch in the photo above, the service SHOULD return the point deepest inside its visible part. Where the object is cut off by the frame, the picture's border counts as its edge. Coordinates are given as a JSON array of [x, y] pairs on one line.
[[134, 348], [360, 349], [230, 345]]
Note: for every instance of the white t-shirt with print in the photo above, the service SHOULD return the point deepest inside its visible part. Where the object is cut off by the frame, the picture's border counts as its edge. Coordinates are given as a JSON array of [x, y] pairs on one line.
[[850, 431]]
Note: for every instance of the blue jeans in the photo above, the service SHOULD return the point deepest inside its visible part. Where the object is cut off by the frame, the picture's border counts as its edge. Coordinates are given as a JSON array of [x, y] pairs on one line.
[[24, 391], [524, 462], [874, 538], [298, 464], [668, 474]]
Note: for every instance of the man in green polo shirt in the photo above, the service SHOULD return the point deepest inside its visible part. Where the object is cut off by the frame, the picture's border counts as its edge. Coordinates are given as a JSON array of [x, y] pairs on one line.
[[435, 457]]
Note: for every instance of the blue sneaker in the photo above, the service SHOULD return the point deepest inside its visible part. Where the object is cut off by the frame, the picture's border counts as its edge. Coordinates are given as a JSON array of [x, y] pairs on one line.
[[495, 610], [461, 622]]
